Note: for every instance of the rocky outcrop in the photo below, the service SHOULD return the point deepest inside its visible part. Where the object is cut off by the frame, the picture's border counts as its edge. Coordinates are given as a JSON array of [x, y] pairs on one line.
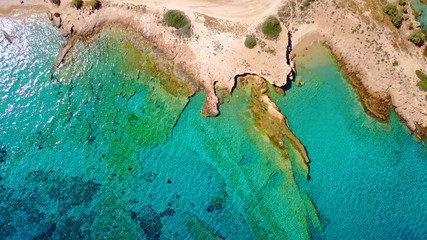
[[376, 104], [210, 57], [56, 20], [67, 30], [270, 120], [8, 38], [63, 52]]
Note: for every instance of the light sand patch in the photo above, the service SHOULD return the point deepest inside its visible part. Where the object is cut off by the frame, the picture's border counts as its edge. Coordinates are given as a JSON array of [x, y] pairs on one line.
[[245, 11]]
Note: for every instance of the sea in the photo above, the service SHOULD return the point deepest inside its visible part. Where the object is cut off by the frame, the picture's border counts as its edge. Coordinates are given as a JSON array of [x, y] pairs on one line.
[[106, 147]]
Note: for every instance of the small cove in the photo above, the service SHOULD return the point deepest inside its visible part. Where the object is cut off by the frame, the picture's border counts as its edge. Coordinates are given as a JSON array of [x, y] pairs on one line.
[[367, 178]]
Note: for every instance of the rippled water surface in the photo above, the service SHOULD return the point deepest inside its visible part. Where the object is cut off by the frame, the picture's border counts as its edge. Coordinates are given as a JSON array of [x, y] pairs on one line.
[[107, 147], [419, 6], [103, 149], [367, 178]]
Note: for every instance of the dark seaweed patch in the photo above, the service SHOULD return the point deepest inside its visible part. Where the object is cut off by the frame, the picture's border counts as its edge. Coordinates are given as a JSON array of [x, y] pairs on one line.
[[167, 212], [47, 234], [149, 176], [213, 207], [150, 222], [3, 154]]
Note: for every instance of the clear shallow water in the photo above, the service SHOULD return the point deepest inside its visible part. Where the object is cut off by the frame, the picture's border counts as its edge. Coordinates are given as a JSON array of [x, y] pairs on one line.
[[101, 149], [96, 150], [367, 178]]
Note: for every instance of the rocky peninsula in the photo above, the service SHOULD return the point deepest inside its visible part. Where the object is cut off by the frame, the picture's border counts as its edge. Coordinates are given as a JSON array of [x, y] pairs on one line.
[[377, 57]]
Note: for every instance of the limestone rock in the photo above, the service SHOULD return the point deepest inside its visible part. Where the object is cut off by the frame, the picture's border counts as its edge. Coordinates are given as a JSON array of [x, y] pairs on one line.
[[57, 21], [263, 90], [67, 30]]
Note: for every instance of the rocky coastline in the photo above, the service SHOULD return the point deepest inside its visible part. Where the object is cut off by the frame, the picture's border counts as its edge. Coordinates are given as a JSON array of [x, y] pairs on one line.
[[215, 54], [377, 58]]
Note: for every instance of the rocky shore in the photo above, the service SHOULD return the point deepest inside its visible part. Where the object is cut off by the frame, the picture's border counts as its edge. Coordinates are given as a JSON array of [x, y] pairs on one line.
[[377, 57]]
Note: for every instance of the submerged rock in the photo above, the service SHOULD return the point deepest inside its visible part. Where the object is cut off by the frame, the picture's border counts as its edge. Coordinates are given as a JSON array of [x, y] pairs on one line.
[[63, 52], [3, 154], [8, 38]]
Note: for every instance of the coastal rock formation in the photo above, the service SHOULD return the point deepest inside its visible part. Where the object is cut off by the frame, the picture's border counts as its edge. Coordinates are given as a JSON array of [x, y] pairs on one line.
[[213, 55], [8, 38], [63, 52], [358, 33], [376, 56], [271, 120]]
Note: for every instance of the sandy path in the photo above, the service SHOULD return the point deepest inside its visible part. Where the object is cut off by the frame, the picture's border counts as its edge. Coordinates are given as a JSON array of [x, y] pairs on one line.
[[238, 10], [245, 11], [9, 8]]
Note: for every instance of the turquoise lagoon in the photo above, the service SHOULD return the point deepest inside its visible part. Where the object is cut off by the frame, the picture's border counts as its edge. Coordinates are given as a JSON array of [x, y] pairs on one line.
[[367, 177], [98, 149]]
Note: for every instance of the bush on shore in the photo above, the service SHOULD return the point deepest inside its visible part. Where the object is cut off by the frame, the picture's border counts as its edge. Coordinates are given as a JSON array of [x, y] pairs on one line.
[[175, 19], [77, 3], [179, 21], [57, 2], [271, 27], [250, 41], [423, 80], [404, 9], [417, 37], [95, 4], [421, 75], [402, 2], [306, 3], [395, 16]]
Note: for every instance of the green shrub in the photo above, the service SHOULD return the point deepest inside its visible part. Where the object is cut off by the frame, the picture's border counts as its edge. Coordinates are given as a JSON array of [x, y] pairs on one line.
[[423, 80], [57, 2], [422, 76], [271, 27], [423, 85], [395, 63], [425, 51], [411, 25], [175, 19], [95, 4], [306, 3], [57, 14], [250, 41], [417, 37], [395, 16], [402, 2], [77, 3], [404, 9], [179, 21]]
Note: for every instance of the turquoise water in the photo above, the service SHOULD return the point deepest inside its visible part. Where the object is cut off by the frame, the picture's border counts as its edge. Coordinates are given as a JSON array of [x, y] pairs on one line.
[[367, 178], [419, 6], [103, 149]]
